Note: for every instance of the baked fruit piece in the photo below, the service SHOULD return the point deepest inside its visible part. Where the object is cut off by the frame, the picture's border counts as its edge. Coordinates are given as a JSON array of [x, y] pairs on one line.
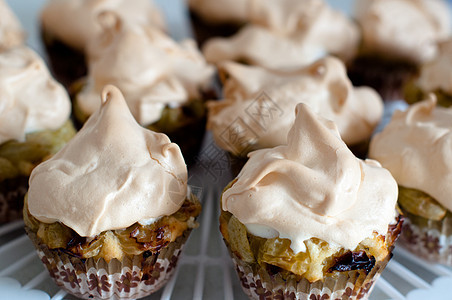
[[69, 25], [11, 31], [164, 82], [34, 123], [258, 104], [286, 35], [397, 37], [435, 77], [110, 213], [415, 148], [308, 219]]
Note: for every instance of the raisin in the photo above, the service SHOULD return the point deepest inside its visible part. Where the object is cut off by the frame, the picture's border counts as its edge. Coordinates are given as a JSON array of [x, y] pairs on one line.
[[353, 261]]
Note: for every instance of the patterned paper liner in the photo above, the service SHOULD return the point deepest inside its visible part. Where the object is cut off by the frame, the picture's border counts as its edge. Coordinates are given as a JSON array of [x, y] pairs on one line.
[[427, 242], [133, 277], [257, 283]]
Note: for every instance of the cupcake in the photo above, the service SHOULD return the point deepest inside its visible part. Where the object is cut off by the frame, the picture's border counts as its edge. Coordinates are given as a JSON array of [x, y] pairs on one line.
[[309, 220], [257, 111], [397, 36], [164, 82], [11, 32], [414, 147], [434, 77], [286, 35], [110, 213], [69, 25], [34, 123]]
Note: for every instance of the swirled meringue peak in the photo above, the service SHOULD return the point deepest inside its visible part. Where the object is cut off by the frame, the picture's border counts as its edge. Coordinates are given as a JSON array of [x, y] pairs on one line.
[[284, 35], [112, 174], [30, 99], [149, 68], [416, 148], [403, 29], [257, 111], [74, 22], [436, 74], [11, 32], [313, 187]]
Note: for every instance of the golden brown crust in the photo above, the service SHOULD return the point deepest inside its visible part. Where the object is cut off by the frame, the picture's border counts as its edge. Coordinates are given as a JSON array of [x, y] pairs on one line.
[[110, 244], [319, 261]]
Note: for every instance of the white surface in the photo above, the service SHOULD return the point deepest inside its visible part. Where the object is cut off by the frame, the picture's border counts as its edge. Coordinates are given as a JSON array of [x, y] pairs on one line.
[[205, 270]]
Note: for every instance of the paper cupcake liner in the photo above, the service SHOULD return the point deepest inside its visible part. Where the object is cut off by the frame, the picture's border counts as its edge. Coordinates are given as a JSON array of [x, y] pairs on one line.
[[134, 277], [429, 241], [257, 283]]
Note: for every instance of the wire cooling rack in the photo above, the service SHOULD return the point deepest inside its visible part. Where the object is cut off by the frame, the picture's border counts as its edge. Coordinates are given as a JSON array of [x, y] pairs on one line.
[[205, 270]]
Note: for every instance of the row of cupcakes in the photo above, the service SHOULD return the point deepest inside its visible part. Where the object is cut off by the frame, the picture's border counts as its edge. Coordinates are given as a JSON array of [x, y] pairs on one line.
[[164, 88], [151, 69], [383, 45], [110, 212], [303, 219]]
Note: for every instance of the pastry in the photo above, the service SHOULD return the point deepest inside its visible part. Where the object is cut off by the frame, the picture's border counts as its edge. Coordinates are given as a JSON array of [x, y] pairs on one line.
[[414, 147], [164, 82], [286, 35], [309, 220], [397, 36], [68, 26], [110, 213], [257, 111], [433, 77], [34, 123]]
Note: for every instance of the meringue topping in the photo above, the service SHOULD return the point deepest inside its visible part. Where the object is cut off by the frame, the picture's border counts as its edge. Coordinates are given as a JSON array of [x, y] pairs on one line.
[[313, 187], [415, 147], [74, 22], [30, 99], [149, 68], [257, 110], [403, 29], [286, 35], [436, 75], [11, 32], [112, 174]]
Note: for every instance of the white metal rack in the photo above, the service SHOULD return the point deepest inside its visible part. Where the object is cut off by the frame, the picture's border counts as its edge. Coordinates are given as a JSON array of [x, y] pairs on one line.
[[205, 270]]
